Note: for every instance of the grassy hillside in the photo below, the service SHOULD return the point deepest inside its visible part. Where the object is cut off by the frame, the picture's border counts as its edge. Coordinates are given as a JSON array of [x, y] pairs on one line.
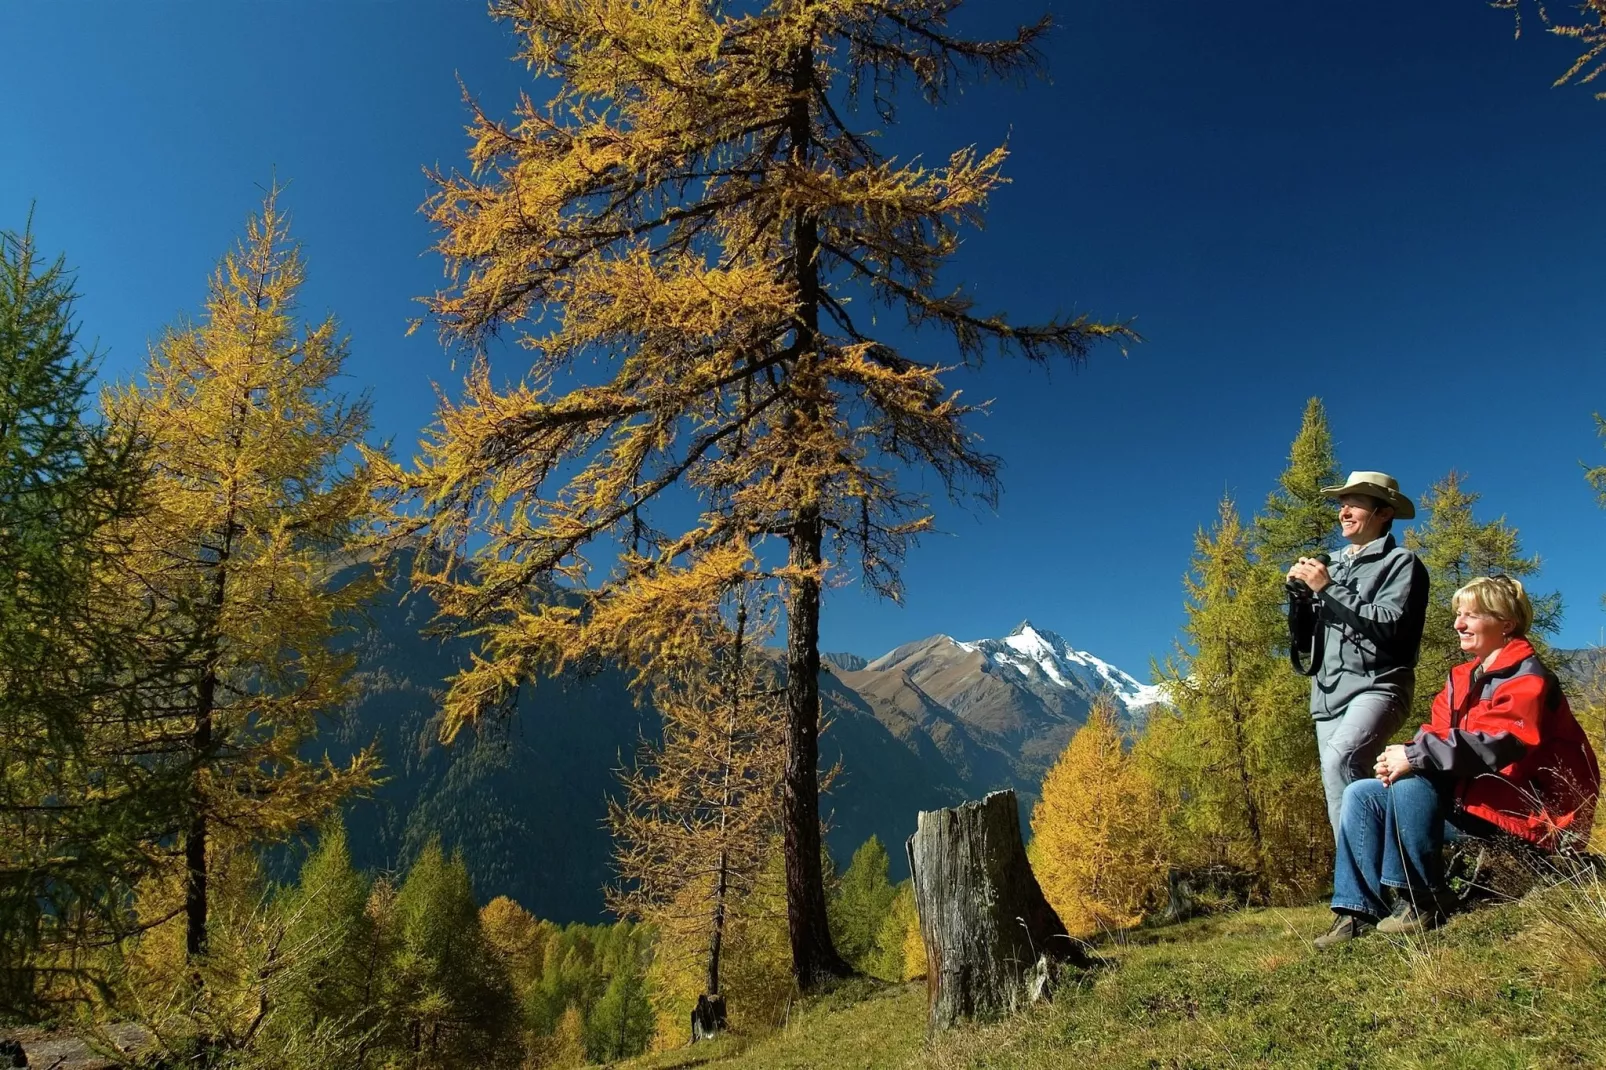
[[1519, 985]]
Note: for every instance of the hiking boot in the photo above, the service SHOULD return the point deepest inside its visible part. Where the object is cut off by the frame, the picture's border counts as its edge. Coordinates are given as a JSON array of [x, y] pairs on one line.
[[1408, 920], [1346, 927]]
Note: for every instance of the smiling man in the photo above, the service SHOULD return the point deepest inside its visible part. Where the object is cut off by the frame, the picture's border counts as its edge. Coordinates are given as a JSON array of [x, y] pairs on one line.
[[1372, 602]]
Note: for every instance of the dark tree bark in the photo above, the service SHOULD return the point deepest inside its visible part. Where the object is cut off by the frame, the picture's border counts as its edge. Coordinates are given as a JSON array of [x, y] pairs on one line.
[[814, 956], [993, 944]]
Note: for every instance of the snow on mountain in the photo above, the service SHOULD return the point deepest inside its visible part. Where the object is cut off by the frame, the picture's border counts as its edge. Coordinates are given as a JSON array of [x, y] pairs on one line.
[[1042, 656]]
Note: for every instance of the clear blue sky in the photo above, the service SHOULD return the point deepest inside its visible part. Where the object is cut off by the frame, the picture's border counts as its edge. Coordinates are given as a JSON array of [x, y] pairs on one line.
[[1384, 204]]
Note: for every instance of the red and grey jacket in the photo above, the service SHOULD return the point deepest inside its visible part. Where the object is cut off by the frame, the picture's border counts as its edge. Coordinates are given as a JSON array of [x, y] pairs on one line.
[[1508, 740]]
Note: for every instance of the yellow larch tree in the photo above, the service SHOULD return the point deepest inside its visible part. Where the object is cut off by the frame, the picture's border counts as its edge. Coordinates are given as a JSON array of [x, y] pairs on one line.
[[1096, 833], [701, 809], [680, 237], [254, 497]]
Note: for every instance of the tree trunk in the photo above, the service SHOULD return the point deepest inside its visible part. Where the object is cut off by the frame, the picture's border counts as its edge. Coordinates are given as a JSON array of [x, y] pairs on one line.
[[707, 1018], [993, 944], [814, 956]]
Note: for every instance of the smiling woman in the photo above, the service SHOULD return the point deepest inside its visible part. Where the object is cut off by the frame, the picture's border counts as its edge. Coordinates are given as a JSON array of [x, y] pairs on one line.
[[1503, 757]]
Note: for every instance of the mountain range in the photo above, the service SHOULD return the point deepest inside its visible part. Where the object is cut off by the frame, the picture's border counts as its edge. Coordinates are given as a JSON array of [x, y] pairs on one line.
[[523, 795]]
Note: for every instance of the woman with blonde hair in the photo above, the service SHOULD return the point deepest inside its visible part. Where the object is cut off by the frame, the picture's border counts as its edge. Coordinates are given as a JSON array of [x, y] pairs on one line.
[[1503, 754]]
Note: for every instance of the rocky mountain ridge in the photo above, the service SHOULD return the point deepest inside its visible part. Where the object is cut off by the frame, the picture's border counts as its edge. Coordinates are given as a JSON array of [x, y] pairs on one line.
[[523, 796]]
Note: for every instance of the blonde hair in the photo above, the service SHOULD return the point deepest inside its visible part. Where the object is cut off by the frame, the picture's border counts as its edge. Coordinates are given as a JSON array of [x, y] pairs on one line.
[[1501, 597]]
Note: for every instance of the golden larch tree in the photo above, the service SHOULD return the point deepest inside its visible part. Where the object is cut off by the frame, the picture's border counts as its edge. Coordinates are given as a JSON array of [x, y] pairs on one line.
[[679, 236], [701, 807], [1096, 832], [253, 500]]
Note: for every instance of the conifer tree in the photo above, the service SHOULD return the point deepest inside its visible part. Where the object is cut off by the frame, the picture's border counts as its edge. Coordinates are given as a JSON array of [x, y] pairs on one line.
[[1213, 759], [1457, 548], [1297, 520], [1589, 30], [448, 989], [569, 1048], [329, 929], [621, 1023], [692, 212], [700, 810], [900, 951], [82, 804], [251, 503], [1096, 833], [517, 938], [862, 902]]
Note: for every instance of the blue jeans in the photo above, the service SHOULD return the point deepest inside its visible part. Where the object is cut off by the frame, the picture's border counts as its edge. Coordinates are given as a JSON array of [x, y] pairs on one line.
[[1392, 837], [1348, 745]]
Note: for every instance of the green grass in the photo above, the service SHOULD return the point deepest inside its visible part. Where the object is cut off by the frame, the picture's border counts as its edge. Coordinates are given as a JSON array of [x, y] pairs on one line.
[[1519, 985]]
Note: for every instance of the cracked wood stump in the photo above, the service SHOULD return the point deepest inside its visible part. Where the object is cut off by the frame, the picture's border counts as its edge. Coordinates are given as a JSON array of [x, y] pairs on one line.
[[993, 944]]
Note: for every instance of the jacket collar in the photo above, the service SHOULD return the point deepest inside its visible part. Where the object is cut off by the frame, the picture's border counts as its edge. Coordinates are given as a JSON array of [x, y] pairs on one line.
[[1514, 653], [1376, 548]]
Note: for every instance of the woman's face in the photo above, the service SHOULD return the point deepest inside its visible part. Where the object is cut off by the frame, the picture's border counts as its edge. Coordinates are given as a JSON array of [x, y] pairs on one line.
[[1481, 633]]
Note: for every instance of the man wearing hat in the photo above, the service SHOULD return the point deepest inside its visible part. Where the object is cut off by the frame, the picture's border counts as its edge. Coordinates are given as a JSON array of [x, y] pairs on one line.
[[1372, 602]]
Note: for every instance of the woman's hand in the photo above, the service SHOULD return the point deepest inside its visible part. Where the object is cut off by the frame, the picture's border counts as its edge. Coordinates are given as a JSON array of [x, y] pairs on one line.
[[1392, 764]]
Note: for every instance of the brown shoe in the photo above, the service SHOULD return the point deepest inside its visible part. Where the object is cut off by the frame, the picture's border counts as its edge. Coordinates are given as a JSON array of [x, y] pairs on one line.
[[1346, 927], [1408, 920]]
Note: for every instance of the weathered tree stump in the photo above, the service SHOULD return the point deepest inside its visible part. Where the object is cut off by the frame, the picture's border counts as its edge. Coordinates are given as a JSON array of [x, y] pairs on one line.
[[993, 944], [707, 1018]]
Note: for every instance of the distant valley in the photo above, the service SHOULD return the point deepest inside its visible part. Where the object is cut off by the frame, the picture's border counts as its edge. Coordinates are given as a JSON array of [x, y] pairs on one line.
[[926, 725]]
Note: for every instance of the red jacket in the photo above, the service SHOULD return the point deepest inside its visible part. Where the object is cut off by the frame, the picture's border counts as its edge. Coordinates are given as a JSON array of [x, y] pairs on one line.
[[1510, 743]]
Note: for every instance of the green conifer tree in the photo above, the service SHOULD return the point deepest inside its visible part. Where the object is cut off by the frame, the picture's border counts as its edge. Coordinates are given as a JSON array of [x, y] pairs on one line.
[[1297, 520], [1214, 764], [1456, 548], [81, 803], [862, 902], [621, 1023], [890, 959], [328, 926], [453, 1002]]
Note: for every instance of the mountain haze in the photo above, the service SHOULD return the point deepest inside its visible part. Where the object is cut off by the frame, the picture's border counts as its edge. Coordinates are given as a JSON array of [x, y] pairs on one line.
[[523, 795]]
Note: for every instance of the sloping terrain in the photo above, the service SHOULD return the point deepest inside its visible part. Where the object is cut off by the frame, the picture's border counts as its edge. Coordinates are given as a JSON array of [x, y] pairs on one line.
[[1521, 985]]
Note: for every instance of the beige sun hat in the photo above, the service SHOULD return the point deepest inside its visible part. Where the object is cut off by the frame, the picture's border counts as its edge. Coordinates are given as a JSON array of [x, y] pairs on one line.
[[1379, 485]]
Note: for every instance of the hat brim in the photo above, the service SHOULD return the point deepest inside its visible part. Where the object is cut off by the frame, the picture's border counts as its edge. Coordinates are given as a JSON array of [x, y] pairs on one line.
[[1403, 509]]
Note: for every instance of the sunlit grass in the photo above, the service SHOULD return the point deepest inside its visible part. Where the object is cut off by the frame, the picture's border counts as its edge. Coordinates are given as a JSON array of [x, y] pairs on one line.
[[1517, 985]]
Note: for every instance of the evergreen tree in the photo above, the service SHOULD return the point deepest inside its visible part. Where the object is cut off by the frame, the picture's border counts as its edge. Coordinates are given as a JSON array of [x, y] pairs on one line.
[[1298, 519], [251, 505], [692, 213], [569, 1047], [862, 902], [82, 805], [1457, 548], [899, 953], [329, 930], [621, 1023], [1096, 832], [1211, 759], [517, 938], [453, 1001]]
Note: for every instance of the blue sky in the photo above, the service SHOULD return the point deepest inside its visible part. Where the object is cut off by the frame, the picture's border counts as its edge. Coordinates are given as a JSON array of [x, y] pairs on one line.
[[1382, 204]]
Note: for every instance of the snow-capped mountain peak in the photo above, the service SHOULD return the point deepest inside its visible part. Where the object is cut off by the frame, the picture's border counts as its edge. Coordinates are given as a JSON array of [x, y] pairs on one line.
[[1039, 655]]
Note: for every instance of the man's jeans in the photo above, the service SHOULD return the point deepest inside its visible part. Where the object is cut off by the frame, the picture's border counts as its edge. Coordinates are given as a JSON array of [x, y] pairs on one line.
[[1349, 744], [1391, 837]]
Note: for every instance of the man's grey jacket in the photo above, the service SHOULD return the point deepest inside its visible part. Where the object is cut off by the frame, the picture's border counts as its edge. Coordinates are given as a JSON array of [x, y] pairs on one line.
[[1372, 614]]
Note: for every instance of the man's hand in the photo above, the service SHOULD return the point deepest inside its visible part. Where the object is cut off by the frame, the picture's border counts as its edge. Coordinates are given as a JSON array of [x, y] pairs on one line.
[[1392, 765], [1312, 572]]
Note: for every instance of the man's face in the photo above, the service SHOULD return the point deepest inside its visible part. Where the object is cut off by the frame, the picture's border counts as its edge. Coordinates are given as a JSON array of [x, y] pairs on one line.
[[1361, 518]]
